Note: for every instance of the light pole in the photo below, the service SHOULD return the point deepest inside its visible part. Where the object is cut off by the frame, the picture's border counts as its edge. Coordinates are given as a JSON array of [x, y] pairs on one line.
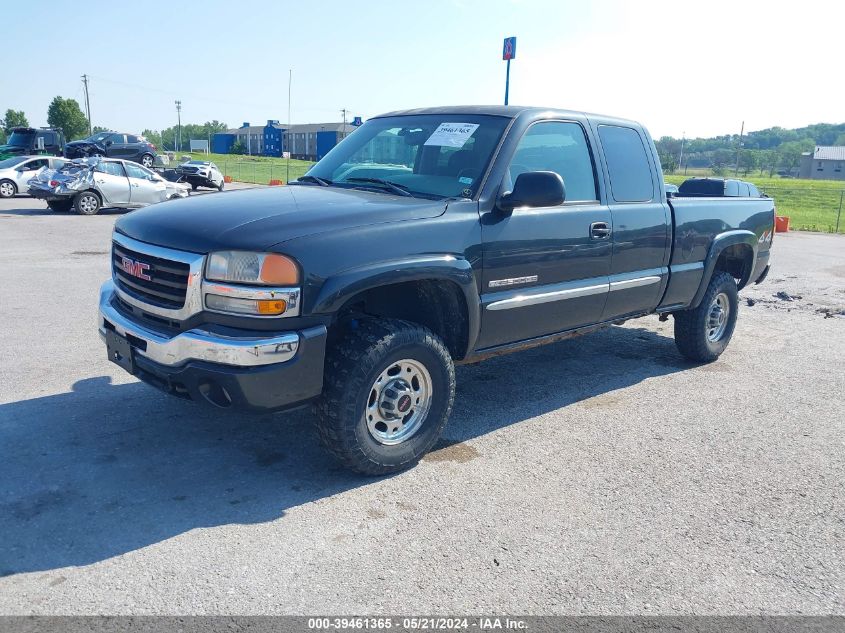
[[179, 125]]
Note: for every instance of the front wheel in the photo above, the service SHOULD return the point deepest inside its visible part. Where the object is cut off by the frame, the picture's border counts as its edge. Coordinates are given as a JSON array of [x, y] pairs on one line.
[[86, 203], [220, 186], [702, 334], [389, 389], [7, 189]]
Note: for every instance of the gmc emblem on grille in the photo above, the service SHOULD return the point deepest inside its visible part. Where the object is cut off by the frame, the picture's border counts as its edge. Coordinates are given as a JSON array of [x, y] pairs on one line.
[[134, 268]]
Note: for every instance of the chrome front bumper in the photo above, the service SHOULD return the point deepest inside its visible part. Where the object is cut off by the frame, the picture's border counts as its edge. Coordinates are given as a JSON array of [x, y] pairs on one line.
[[197, 344]]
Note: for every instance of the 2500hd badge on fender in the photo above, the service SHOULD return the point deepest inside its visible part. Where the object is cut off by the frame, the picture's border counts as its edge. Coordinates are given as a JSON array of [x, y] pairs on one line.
[[425, 238]]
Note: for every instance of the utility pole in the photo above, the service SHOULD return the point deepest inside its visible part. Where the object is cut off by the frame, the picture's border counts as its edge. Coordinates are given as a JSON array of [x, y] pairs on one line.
[[344, 111], [739, 149], [178, 125], [87, 103], [290, 135], [681, 155]]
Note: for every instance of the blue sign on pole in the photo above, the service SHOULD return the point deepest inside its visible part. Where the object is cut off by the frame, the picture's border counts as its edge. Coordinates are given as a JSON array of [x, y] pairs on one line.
[[509, 49], [508, 53]]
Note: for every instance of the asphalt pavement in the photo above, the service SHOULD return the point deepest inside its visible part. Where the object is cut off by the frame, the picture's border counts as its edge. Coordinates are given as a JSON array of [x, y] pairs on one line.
[[602, 475]]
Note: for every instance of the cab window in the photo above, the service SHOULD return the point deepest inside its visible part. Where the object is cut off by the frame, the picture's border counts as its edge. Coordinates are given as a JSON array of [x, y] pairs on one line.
[[627, 164], [560, 147], [117, 139]]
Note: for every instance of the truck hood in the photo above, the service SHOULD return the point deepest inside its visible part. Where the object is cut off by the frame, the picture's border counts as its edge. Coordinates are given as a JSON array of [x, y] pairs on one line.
[[257, 219], [7, 151]]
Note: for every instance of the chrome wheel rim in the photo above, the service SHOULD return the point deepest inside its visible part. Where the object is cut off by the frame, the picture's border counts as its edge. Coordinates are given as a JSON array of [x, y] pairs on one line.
[[146, 161], [717, 317], [88, 204], [398, 402], [6, 190]]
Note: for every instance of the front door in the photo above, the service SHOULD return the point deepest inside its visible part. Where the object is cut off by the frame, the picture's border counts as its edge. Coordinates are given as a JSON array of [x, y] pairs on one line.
[[546, 269], [116, 146], [28, 170], [112, 183], [144, 186]]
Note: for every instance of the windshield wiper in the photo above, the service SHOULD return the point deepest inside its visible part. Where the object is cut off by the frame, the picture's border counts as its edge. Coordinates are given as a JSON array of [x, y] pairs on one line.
[[320, 181], [402, 190]]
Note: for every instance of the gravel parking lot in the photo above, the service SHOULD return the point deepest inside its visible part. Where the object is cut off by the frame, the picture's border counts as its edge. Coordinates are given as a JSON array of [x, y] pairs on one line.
[[603, 475]]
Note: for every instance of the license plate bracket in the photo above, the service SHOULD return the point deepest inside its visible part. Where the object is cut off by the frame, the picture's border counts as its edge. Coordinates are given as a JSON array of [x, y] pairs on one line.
[[120, 351]]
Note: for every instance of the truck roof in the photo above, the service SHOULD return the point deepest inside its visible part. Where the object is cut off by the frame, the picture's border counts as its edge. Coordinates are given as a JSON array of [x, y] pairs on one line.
[[509, 111]]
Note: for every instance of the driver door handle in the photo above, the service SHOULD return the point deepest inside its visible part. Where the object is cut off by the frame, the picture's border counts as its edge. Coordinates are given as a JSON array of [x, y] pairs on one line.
[[599, 230]]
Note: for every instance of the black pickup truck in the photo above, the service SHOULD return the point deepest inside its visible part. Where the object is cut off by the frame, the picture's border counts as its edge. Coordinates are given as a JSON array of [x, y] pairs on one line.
[[425, 238]]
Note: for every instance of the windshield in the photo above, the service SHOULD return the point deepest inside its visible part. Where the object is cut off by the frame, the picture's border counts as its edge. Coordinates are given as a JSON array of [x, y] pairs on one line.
[[21, 139], [442, 155], [99, 137], [11, 162]]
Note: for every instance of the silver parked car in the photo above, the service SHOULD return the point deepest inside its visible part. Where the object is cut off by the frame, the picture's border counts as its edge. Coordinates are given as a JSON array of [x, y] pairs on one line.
[[89, 184], [16, 172]]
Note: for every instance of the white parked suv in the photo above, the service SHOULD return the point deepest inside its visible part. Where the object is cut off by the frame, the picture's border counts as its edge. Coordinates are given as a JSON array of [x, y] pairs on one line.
[[201, 173], [15, 172]]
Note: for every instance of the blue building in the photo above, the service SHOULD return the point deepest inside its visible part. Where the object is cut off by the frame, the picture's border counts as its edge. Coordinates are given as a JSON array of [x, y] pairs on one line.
[[310, 141], [274, 139]]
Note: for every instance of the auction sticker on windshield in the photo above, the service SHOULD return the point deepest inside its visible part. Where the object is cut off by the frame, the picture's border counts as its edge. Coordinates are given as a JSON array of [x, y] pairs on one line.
[[452, 134]]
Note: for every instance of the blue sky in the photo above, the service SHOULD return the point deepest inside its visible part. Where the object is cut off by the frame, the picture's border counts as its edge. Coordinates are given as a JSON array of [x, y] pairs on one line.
[[694, 67]]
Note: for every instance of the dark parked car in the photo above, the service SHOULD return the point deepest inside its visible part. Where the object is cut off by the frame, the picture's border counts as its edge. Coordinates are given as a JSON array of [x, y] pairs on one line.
[[427, 238], [25, 141], [718, 187], [114, 145]]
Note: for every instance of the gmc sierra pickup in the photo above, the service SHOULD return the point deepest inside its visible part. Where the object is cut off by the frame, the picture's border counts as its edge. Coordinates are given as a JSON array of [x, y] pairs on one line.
[[425, 238]]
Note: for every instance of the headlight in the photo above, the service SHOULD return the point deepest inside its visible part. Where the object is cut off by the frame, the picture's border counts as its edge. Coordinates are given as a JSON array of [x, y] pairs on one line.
[[265, 269]]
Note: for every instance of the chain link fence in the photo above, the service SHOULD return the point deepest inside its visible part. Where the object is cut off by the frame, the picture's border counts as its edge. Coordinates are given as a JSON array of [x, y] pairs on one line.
[[810, 208]]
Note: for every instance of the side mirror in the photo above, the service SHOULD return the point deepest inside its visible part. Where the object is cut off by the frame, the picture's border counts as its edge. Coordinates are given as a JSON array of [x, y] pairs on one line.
[[109, 143], [534, 189]]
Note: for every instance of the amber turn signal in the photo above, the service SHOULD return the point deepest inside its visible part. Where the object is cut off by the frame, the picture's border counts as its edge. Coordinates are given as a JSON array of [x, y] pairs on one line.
[[272, 306], [278, 270]]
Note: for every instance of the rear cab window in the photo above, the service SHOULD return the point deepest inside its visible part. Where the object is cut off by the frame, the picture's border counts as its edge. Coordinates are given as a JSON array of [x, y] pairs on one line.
[[627, 164]]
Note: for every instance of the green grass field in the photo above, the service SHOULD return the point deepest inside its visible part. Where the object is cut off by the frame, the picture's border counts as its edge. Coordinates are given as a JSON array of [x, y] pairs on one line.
[[811, 205], [255, 169]]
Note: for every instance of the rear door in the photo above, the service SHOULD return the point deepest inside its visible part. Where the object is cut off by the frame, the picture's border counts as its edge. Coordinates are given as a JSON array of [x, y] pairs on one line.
[[133, 148], [144, 186], [546, 269], [112, 183], [641, 222]]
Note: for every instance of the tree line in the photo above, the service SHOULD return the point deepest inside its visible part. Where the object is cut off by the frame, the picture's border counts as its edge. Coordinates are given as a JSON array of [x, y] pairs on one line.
[[66, 115], [773, 150]]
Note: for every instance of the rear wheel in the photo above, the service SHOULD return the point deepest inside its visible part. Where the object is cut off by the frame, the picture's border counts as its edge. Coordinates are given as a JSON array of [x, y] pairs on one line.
[[60, 205], [86, 203], [702, 334], [7, 189], [147, 161], [389, 390]]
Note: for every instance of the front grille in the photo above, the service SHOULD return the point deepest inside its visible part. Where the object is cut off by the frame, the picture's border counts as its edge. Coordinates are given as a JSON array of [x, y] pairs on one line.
[[190, 170], [168, 282]]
